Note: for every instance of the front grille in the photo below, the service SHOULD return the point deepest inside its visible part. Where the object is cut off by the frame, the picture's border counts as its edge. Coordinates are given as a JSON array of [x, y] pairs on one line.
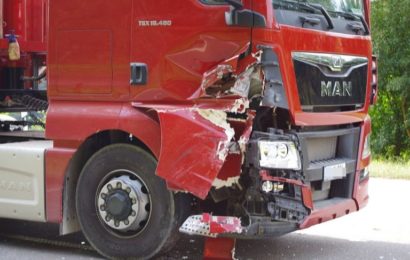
[[326, 148], [321, 148], [330, 83]]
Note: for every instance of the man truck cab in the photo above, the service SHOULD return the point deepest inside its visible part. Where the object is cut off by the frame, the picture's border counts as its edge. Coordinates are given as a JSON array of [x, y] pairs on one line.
[[219, 118]]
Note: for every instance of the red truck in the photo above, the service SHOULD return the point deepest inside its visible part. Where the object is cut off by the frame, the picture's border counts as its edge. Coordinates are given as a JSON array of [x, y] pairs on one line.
[[219, 118]]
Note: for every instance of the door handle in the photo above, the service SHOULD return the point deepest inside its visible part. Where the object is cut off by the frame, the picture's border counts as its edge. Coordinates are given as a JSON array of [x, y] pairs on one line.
[[139, 74]]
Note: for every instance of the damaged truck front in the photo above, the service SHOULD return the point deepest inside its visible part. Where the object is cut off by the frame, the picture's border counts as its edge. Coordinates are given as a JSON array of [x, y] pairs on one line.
[[219, 118], [277, 137], [221, 145]]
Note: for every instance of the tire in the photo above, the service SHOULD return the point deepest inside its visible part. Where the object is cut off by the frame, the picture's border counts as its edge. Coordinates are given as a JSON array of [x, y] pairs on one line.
[[158, 231]]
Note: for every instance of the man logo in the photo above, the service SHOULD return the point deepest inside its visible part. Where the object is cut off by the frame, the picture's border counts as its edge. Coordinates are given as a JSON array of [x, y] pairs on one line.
[[337, 63], [336, 89]]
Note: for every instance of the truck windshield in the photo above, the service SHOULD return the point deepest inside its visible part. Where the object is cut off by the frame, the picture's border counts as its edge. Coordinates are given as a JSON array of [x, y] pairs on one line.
[[345, 6], [345, 16], [332, 6]]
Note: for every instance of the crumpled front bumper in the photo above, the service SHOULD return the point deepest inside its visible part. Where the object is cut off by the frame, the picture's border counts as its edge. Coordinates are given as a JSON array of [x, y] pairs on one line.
[[347, 195]]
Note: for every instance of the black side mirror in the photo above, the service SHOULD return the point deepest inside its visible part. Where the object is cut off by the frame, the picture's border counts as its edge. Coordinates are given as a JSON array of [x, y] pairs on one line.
[[238, 16]]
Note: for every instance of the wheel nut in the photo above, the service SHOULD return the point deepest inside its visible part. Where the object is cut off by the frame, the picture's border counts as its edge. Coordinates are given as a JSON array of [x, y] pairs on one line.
[[117, 223], [109, 187], [107, 218], [133, 213], [134, 201], [103, 195], [102, 207], [119, 185], [126, 222], [128, 190]]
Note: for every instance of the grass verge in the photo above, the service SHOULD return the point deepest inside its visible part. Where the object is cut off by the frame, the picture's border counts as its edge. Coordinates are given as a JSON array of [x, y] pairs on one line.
[[390, 170]]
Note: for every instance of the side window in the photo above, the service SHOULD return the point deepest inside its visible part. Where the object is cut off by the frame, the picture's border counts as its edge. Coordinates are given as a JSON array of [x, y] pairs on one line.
[[214, 2]]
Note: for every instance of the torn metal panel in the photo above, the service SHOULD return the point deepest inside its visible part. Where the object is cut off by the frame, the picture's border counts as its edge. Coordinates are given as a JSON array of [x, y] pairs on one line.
[[243, 84], [239, 106], [200, 136], [217, 74], [246, 134], [194, 148], [230, 182], [274, 89], [199, 143], [256, 77], [219, 119], [246, 84], [221, 74], [230, 105], [230, 173], [233, 77]]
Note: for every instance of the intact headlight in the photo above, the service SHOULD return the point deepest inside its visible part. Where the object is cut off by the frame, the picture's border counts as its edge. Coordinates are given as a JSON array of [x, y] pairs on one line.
[[279, 155], [366, 148]]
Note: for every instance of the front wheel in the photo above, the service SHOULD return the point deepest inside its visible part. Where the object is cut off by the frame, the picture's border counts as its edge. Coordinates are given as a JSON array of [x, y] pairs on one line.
[[124, 209]]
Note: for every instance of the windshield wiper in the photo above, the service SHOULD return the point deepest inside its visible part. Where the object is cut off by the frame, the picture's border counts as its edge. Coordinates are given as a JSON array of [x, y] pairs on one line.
[[324, 12], [353, 16], [310, 7]]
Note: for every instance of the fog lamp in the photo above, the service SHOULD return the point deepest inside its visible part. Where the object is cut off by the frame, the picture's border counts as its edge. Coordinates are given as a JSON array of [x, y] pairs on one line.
[[267, 186]]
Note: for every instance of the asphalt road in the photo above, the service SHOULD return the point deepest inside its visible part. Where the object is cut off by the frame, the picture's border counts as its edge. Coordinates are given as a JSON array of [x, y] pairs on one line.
[[381, 231]]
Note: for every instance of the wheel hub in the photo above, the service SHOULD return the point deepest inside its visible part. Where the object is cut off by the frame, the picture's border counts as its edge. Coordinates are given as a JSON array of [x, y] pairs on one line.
[[119, 205], [123, 204]]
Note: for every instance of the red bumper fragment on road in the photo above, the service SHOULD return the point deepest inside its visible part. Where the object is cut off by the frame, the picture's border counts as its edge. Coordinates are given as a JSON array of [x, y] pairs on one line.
[[211, 226]]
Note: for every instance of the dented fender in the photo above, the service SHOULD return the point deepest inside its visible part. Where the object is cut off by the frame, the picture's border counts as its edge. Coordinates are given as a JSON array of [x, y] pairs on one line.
[[196, 141], [204, 139]]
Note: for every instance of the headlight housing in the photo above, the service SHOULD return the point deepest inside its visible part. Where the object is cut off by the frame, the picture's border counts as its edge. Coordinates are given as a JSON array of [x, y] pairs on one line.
[[279, 155], [366, 148]]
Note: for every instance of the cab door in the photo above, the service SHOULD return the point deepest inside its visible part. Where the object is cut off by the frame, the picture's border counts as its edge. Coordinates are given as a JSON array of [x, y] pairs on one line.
[[175, 42], [89, 49]]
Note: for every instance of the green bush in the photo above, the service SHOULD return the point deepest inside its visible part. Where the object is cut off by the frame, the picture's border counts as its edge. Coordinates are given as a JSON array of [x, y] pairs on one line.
[[391, 115]]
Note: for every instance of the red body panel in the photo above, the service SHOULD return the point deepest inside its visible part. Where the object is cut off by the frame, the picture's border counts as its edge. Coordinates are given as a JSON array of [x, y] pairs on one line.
[[177, 144], [84, 120], [89, 55], [57, 160], [178, 55], [85, 50], [329, 213]]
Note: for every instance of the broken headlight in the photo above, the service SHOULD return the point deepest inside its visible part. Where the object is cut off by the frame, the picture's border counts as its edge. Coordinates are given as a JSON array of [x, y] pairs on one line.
[[279, 155]]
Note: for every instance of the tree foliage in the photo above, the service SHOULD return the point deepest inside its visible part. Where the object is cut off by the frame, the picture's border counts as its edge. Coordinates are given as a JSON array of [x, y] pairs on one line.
[[391, 116]]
